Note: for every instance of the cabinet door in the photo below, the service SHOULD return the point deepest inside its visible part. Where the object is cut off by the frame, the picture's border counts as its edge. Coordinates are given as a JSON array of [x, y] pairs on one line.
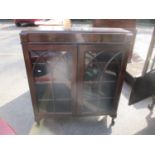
[[53, 71], [99, 78]]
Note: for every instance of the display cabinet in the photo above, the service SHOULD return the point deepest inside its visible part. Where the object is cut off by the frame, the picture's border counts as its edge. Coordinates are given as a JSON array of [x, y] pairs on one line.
[[76, 72]]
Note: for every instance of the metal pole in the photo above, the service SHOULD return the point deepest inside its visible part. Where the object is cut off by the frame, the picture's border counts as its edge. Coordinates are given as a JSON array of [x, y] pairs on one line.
[[153, 62], [150, 51]]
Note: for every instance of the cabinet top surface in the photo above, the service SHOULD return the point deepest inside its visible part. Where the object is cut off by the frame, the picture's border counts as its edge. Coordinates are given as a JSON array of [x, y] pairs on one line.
[[76, 30], [76, 35]]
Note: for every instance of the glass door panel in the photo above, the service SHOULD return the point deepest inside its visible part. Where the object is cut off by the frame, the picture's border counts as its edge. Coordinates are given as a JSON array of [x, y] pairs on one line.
[[99, 79], [53, 77]]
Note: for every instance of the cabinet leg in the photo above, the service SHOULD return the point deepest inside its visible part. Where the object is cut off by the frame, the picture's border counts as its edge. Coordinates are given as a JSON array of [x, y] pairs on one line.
[[113, 117], [151, 106], [38, 122], [37, 119]]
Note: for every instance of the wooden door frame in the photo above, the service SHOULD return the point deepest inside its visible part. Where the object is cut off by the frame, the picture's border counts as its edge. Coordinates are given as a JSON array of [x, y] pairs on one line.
[[58, 48], [81, 57]]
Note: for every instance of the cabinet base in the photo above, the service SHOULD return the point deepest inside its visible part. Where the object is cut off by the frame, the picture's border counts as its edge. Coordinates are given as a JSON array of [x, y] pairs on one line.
[[38, 118]]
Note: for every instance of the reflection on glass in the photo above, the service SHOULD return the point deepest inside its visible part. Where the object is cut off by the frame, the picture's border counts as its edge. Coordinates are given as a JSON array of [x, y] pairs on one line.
[[52, 76], [101, 73]]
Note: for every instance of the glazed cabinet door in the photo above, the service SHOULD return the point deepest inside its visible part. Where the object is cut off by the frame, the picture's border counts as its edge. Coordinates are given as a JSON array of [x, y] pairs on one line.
[[99, 78], [53, 77]]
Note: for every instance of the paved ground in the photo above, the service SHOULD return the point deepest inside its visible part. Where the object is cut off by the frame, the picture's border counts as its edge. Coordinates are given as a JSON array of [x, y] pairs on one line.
[[15, 102]]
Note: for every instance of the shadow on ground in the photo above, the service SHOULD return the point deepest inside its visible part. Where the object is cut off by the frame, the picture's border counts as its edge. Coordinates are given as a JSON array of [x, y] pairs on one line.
[[150, 129], [77, 126], [138, 105], [19, 114]]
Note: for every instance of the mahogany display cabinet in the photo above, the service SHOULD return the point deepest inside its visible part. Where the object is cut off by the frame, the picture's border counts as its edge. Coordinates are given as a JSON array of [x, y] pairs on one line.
[[76, 72]]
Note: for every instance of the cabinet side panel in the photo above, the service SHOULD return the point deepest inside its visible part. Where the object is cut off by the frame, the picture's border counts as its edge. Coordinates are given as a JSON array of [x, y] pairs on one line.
[[126, 52], [30, 78]]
